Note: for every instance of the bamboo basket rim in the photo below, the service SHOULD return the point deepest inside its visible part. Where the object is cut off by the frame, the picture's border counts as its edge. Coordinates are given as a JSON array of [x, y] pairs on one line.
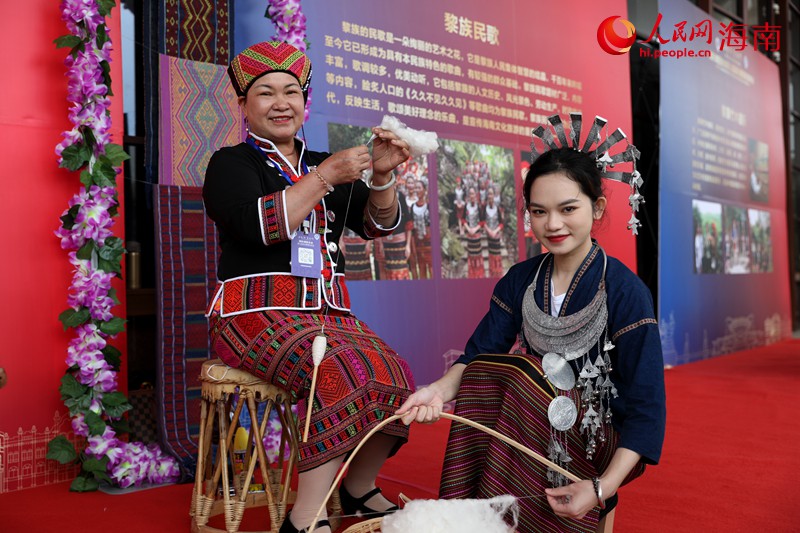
[[449, 416]]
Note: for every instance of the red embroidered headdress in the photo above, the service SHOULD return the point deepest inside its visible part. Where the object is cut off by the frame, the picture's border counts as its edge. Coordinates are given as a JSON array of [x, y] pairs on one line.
[[266, 57]]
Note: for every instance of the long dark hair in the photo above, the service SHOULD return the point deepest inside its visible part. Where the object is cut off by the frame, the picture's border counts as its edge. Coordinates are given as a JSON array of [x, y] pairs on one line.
[[578, 166]]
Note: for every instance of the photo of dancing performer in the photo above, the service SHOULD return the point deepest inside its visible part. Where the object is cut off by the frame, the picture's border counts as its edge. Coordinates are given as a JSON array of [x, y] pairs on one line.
[[475, 180], [707, 243], [421, 265], [472, 223], [493, 219], [760, 241], [393, 256], [736, 243]]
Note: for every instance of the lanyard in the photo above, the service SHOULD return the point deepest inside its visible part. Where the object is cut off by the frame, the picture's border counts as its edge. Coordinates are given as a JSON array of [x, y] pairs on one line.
[[303, 165]]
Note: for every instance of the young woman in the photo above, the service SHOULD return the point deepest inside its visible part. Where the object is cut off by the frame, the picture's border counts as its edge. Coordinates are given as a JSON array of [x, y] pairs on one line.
[[494, 222], [421, 219], [473, 224], [586, 389]]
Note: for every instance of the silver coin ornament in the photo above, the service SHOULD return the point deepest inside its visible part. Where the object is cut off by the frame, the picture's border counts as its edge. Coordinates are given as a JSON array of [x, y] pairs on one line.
[[333, 247], [331, 215], [558, 371], [562, 413]]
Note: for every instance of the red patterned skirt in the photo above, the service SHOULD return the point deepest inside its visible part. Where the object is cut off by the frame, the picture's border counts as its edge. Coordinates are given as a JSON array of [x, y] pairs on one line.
[[475, 268], [422, 249], [499, 392], [495, 258], [360, 381]]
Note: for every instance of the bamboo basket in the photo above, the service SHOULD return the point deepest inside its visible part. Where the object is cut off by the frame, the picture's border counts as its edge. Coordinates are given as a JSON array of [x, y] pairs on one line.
[[373, 525]]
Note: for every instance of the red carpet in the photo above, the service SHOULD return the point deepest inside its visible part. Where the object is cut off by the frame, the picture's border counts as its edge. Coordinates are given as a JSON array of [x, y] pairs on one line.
[[730, 463]]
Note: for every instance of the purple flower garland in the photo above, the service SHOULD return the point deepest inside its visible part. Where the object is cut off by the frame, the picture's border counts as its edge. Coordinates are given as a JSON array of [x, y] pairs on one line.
[[89, 387]]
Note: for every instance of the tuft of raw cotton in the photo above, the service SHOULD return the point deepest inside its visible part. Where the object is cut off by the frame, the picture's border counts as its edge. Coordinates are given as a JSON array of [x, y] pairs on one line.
[[318, 349], [420, 142], [447, 516]]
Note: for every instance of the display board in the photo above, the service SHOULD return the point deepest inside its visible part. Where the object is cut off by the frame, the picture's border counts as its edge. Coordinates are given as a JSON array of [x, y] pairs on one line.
[[481, 79], [723, 281]]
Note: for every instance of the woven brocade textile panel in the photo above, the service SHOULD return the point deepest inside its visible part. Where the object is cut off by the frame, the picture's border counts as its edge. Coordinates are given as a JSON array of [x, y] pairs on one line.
[[197, 30], [186, 243], [192, 30], [199, 115]]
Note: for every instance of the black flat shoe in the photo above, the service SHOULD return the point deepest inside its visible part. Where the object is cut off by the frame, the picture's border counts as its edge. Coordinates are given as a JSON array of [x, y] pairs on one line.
[[355, 506], [288, 527]]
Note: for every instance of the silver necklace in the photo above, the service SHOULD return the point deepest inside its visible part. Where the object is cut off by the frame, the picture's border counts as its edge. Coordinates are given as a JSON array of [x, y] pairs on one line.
[[563, 339], [569, 336]]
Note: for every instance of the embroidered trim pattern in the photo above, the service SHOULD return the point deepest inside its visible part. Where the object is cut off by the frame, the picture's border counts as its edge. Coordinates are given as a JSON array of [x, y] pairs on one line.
[[581, 271], [277, 291], [502, 305], [272, 216], [633, 326]]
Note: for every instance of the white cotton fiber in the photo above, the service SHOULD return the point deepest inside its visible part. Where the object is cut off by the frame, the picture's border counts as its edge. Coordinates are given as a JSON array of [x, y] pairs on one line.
[[448, 516], [318, 348], [419, 142]]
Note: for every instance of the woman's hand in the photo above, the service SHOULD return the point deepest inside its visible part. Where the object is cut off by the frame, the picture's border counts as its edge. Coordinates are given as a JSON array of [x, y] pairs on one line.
[[345, 166], [424, 406], [577, 499], [388, 151], [574, 500]]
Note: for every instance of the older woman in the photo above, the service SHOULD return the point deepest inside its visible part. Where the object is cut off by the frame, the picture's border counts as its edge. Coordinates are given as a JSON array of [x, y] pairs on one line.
[[280, 210]]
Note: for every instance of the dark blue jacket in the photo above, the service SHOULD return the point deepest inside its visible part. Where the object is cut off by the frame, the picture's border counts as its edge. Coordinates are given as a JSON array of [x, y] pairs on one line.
[[639, 413]]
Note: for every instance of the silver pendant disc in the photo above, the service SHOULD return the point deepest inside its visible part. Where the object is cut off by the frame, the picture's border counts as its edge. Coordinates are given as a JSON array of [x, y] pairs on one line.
[[558, 371], [562, 413]]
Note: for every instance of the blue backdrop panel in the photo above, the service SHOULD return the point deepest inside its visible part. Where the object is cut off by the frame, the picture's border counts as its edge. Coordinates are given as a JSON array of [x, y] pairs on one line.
[[723, 249]]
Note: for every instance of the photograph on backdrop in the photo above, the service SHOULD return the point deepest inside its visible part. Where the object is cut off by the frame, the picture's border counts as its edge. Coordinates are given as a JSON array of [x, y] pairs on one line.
[[532, 245], [477, 209], [736, 242], [406, 253], [707, 237], [758, 170], [760, 241]]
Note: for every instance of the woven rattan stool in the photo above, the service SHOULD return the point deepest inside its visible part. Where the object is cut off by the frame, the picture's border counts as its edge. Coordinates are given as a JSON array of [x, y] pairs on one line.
[[217, 490]]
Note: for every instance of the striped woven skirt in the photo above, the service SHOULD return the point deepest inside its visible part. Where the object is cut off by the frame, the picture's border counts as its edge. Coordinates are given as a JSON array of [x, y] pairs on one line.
[[360, 381], [395, 263], [499, 392], [359, 266]]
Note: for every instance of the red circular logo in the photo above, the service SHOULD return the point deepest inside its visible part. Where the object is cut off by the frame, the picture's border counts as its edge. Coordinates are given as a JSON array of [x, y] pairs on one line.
[[611, 41]]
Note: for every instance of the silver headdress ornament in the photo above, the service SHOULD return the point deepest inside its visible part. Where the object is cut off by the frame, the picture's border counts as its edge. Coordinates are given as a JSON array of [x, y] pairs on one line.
[[605, 162]]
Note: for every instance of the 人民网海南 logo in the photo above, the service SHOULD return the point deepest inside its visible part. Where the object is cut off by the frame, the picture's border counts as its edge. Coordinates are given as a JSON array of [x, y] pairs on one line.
[[616, 35]]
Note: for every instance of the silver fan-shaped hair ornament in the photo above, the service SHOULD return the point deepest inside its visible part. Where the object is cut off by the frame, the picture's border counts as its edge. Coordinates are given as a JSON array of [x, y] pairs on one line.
[[554, 136]]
